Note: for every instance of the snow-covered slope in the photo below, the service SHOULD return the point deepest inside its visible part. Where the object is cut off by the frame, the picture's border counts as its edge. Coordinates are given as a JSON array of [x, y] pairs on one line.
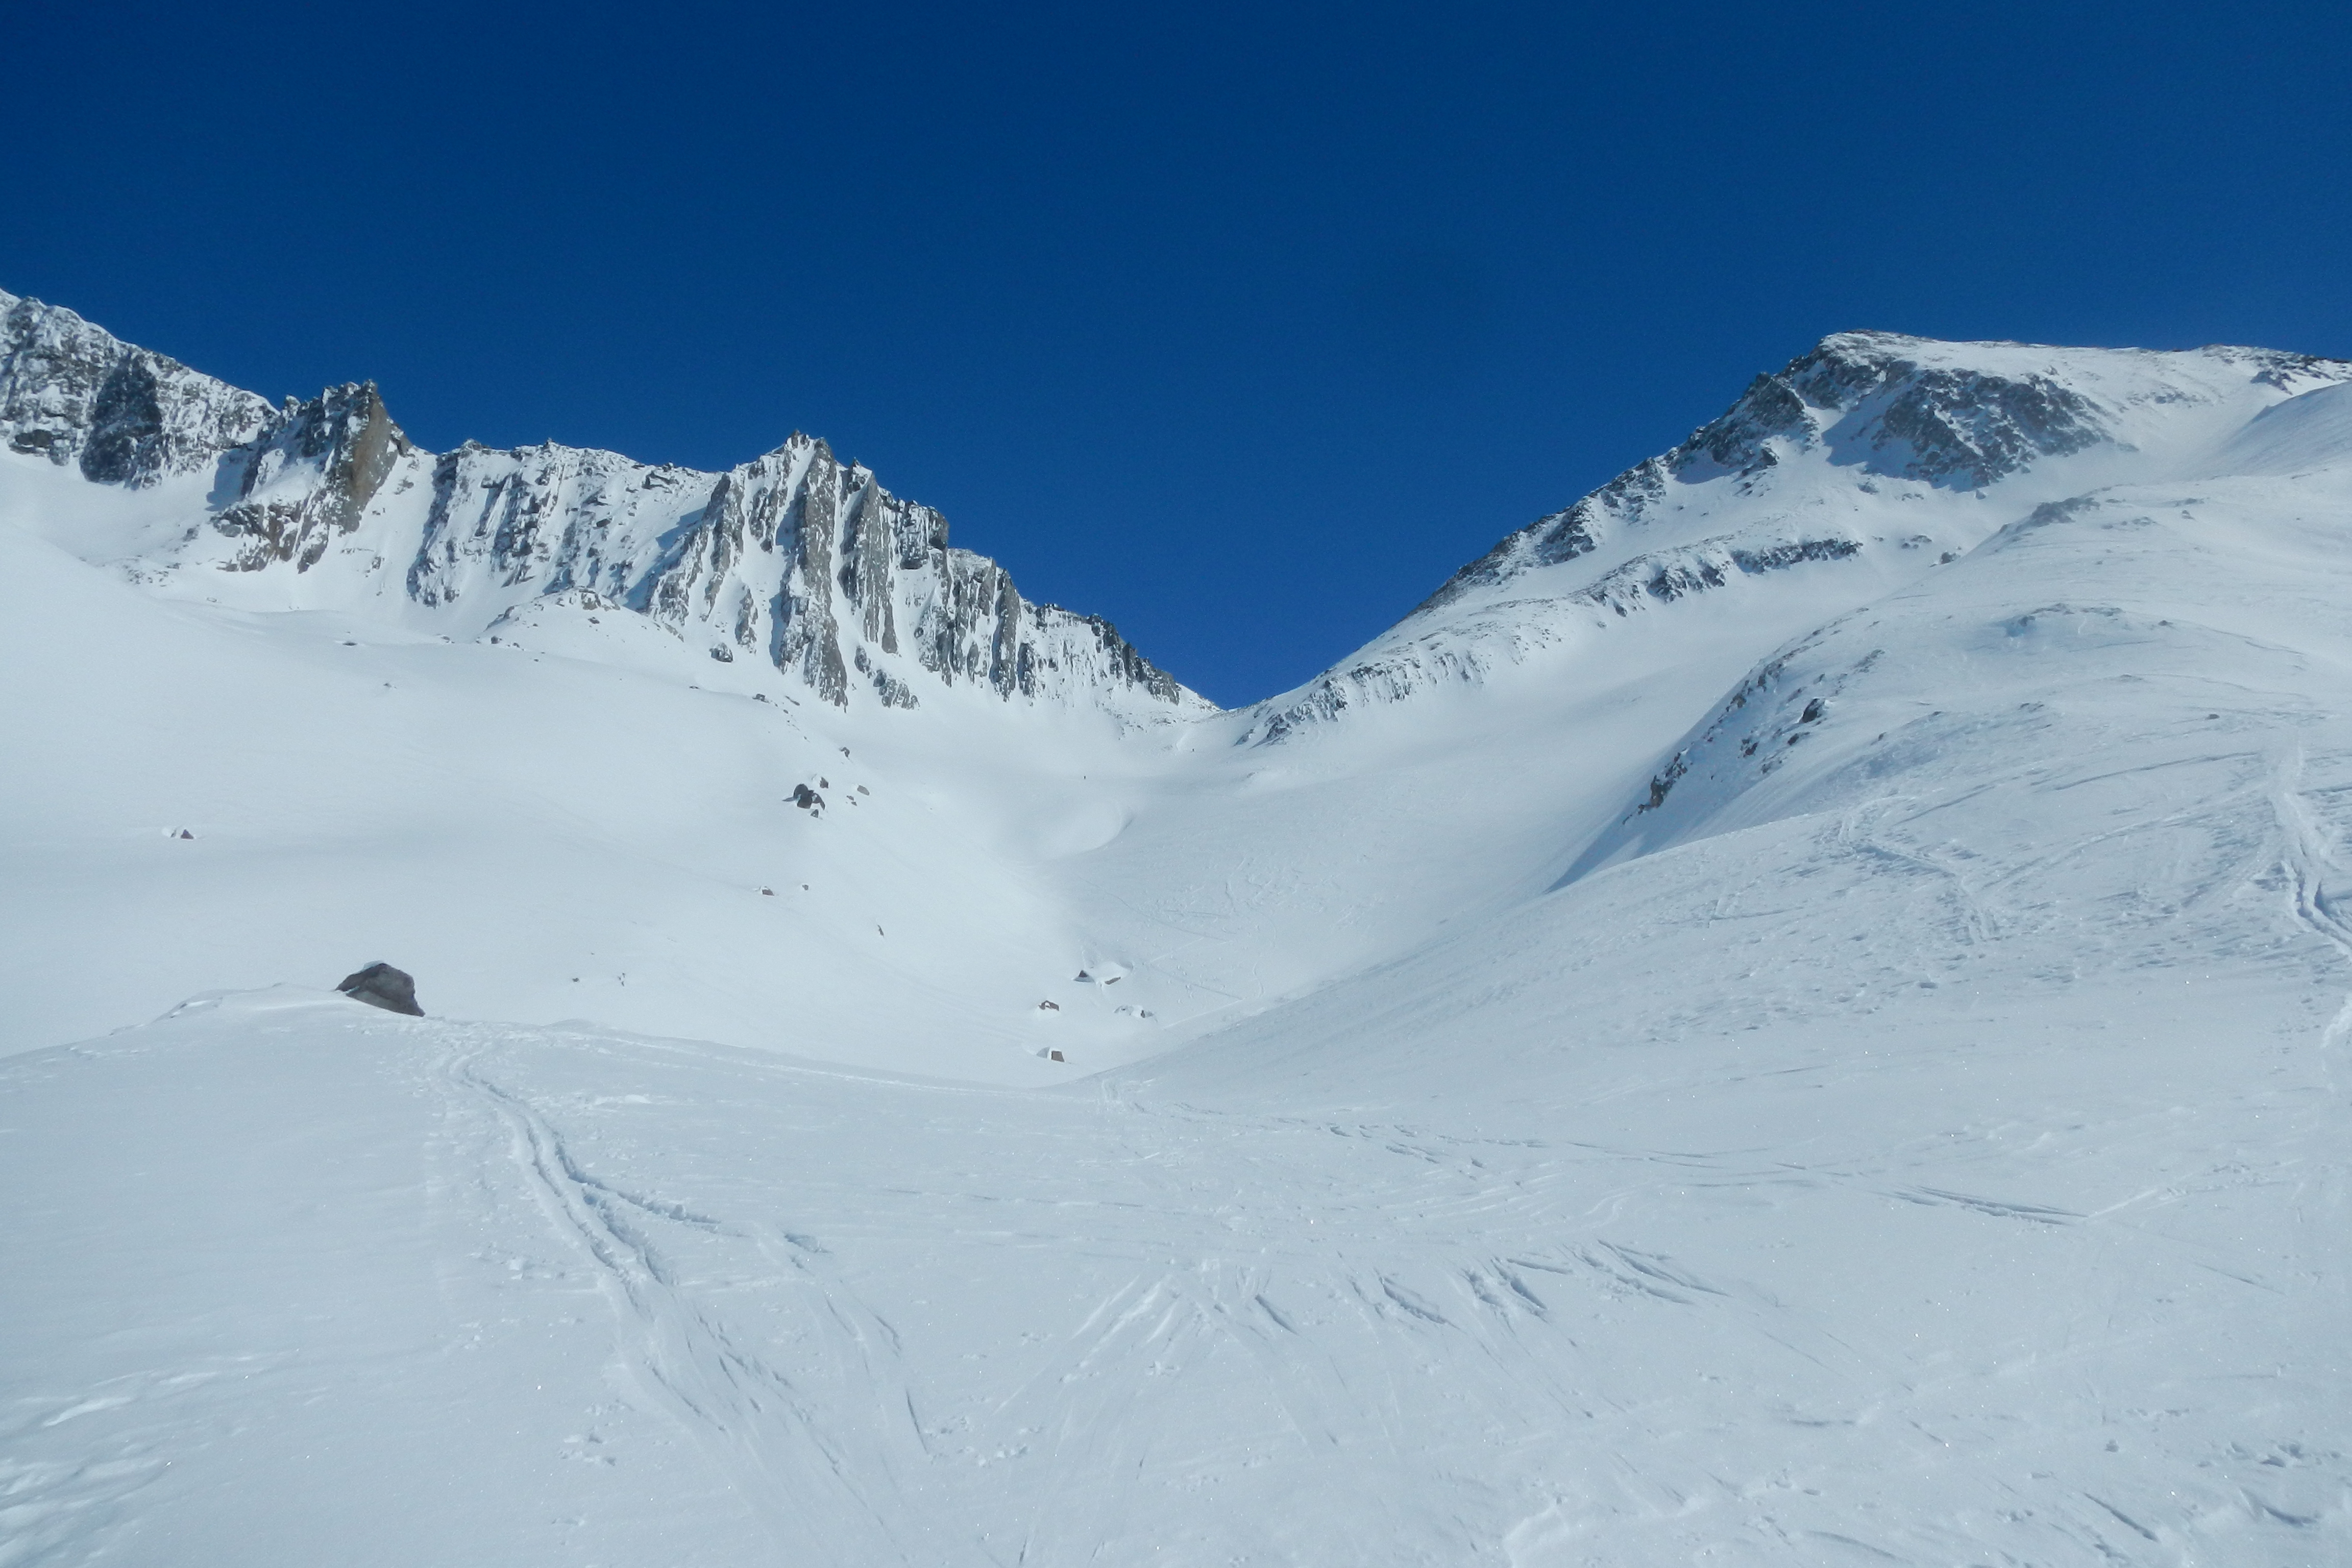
[[1795, 1013], [1463, 762]]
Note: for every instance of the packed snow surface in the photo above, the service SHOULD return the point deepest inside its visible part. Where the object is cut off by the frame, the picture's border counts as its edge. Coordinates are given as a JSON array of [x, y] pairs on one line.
[[1795, 1013]]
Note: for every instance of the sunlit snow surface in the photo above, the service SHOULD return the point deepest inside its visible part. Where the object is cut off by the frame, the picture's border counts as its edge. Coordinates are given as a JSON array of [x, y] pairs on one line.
[[1922, 1137]]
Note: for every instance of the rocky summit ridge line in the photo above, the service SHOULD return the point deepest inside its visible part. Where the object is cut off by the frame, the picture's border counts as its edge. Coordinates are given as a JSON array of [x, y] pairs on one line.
[[795, 558]]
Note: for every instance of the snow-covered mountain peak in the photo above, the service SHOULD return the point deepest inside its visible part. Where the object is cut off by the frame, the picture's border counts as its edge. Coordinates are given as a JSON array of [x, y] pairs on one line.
[[1861, 464], [1902, 407], [795, 563]]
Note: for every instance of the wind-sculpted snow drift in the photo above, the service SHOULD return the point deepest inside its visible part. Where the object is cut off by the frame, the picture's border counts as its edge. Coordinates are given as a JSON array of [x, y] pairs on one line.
[[1794, 1012]]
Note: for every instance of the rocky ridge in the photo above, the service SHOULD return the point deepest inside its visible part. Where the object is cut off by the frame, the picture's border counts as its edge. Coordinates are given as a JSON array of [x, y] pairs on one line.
[[797, 559], [75, 394]]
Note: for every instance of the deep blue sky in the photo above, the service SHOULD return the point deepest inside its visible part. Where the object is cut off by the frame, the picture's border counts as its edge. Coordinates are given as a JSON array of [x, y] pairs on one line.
[[1243, 326]]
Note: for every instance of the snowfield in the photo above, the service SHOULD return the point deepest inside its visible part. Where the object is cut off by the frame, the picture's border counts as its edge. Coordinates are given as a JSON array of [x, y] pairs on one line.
[[1796, 1013]]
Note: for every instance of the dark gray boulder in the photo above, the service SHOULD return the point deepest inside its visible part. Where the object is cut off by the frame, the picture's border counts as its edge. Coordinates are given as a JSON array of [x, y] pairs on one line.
[[382, 985]]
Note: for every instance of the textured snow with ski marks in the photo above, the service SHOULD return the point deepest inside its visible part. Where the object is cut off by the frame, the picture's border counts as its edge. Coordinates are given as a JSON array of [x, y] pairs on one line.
[[1794, 1013]]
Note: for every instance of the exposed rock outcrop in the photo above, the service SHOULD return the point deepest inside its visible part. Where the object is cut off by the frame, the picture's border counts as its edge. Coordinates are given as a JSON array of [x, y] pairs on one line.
[[76, 394], [309, 478], [1865, 395], [382, 985]]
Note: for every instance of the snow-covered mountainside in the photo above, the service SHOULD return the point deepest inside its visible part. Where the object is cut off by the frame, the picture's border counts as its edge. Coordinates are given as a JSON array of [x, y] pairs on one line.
[[1794, 1013], [1860, 463], [795, 559]]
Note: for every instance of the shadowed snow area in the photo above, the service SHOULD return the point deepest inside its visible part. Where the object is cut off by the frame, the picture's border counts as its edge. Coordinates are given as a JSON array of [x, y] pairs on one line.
[[1795, 1013]]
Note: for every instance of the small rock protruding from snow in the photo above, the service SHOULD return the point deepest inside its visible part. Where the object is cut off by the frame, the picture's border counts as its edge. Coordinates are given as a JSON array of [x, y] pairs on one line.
[[382, 985]]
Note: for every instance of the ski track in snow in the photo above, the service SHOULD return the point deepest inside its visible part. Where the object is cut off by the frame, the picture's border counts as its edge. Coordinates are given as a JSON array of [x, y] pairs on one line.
[[746, 1413], [1147, 1325], [2309, 860]]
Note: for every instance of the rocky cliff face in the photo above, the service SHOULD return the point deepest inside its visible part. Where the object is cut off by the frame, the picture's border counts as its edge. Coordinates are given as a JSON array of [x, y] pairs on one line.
[[75, 395], [795, 558], [307, 479]]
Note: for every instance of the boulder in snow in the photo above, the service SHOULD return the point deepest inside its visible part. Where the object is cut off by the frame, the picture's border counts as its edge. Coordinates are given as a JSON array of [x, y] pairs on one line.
[[382, 985]]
